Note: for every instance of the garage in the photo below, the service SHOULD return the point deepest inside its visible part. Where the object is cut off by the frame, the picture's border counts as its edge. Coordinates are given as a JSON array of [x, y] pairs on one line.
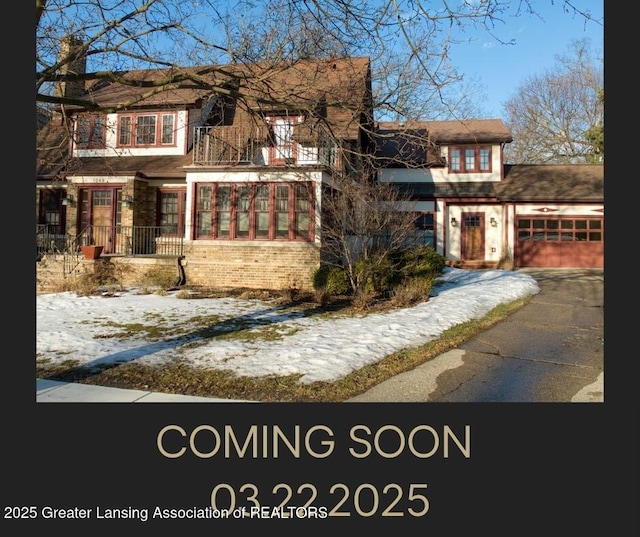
[[563, 242], [556, 214]]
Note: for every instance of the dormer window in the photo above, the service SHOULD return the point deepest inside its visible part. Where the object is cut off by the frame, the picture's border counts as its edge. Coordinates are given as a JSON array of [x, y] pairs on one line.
[[91, 131], [470, 159], [146, 129]]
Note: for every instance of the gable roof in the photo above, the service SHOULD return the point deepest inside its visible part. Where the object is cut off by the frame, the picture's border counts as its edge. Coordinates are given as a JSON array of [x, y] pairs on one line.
[[417, 141], [341, 87], [552, 182], [468, 131]]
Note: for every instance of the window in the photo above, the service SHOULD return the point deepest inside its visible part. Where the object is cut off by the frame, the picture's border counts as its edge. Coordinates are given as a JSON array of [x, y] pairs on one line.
[[167, 128], [284, 150], [91, 131], [124, 131], [302, 211], [171, 213], [144, 130], [469, 159], [265, 211], [560, 230], [425, 230], [262, 212]]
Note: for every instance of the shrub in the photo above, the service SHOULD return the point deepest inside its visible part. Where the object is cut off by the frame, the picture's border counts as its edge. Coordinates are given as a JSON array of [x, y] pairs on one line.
[[415, 270], [104, 274], [330, 280], [381, 274], [421, 261], [158, 277]]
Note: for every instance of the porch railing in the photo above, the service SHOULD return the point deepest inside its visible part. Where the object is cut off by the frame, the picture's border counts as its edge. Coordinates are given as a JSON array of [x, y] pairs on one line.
[[160, 241], [50, 239], [305, 145]]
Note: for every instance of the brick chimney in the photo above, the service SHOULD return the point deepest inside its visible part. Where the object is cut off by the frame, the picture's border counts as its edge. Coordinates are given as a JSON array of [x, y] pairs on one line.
[[72, 63]]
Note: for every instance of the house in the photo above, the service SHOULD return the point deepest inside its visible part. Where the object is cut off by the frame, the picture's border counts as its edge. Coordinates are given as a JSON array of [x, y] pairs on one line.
[[223, 188], [479, 212], [227, 182]]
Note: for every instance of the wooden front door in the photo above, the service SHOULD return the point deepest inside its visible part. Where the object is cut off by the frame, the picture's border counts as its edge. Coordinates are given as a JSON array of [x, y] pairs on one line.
[[99, 217], [102, 219], [472, 234]]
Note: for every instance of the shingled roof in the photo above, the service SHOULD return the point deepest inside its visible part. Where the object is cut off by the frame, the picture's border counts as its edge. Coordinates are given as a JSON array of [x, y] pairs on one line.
[[552, 182], [417, 141], [52, 149], [339, 86]]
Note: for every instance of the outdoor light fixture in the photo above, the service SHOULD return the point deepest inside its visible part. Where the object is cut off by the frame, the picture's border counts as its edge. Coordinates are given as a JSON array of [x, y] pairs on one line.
[[127, 201], [68, 200], [454, 222], [493, 222]]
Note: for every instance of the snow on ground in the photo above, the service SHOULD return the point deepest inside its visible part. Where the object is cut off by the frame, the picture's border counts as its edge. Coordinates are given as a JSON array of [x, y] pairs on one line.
[[86, 328]]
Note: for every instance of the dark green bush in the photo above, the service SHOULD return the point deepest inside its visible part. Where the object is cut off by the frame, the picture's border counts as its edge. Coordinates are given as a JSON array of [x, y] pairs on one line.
[[332, 280], [421, 261]]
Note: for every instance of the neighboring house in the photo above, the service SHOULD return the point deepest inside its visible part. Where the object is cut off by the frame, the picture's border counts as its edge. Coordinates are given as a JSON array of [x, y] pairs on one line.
[[225, 189]]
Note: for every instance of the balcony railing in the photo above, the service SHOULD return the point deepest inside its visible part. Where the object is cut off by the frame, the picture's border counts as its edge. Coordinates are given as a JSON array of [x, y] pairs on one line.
[[307, 145], [157, 241]]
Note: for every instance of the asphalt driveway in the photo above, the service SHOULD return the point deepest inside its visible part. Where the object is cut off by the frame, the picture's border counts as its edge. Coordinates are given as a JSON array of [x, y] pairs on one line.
[[551, 350]]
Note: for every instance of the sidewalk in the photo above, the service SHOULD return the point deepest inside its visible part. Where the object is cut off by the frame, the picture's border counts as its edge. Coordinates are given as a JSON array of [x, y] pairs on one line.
[[51, 391]]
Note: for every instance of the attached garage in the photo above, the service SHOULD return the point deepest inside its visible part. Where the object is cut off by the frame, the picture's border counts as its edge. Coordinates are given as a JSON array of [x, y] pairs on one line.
[[557, 214], [568, 242]]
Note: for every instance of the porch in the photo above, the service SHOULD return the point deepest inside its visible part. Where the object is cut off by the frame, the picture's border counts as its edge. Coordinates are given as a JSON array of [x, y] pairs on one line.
[[130, 241]]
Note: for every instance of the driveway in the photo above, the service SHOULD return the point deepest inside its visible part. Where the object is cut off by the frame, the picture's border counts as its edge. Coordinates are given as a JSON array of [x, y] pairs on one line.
[[551, 350]]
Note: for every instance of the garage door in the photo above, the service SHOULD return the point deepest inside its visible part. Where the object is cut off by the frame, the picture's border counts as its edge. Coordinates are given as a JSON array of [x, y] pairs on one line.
[[572, 242]]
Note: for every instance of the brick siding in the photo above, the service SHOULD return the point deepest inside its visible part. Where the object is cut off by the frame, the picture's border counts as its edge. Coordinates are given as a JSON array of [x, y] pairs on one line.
[[255, 266]]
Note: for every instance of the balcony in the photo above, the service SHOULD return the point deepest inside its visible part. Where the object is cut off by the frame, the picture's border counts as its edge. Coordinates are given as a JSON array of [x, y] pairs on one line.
[[302, 145]]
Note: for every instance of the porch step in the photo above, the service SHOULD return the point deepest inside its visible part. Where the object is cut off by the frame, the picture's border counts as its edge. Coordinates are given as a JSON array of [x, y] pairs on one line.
[[475, 264]]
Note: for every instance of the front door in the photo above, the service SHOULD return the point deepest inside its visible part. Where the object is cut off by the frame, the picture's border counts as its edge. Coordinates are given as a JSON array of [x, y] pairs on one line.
[[98, 214], [472, 233], [102, 219]]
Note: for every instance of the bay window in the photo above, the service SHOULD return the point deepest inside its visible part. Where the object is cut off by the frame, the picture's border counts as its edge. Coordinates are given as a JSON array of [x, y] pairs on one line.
[[255, 211]]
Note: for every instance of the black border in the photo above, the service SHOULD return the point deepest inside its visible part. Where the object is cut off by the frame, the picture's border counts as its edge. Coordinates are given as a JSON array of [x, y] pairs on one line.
[[562, 469]]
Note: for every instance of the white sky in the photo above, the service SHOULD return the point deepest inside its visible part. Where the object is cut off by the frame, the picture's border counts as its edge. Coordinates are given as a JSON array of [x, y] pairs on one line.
[[71, 327]]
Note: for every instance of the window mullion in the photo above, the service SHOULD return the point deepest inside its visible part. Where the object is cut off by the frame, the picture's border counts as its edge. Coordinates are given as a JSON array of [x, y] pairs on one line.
[[252, 215], [272, 211], [292, 212]]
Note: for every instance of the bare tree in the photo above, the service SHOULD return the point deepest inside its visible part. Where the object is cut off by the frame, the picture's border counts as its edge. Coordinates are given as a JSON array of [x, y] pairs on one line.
[[362, 227], [555, 117], [409, 43]]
